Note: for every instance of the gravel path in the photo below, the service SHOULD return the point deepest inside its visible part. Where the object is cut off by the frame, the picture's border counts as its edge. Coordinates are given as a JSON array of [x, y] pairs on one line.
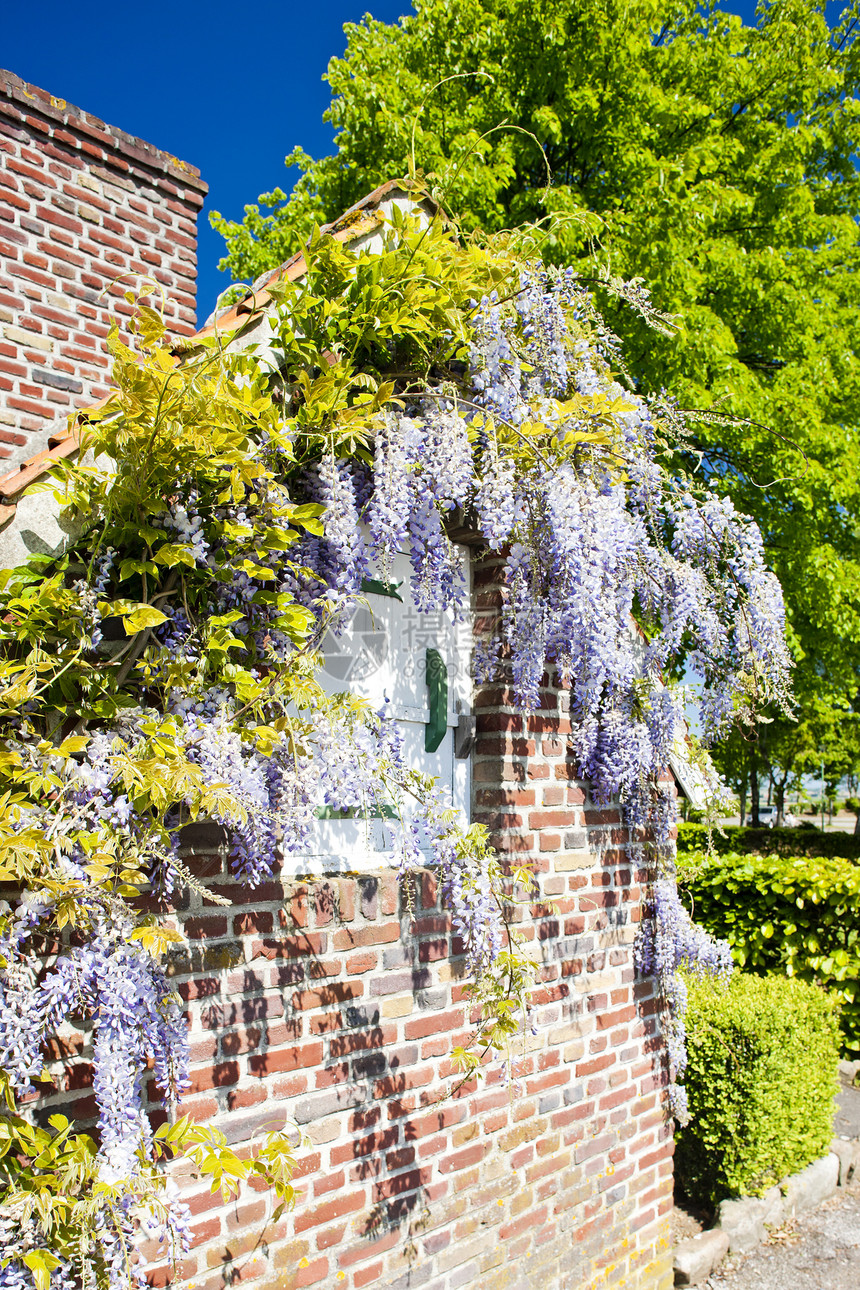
[[819, 1251]]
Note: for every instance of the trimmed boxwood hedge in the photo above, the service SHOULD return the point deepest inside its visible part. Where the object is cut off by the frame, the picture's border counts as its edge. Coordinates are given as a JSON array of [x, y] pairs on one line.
[[795, 915], [788, 842], [761, 1079]]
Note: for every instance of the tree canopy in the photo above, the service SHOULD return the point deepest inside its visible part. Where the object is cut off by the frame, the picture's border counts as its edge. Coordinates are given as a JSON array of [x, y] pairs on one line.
[[711, 159]]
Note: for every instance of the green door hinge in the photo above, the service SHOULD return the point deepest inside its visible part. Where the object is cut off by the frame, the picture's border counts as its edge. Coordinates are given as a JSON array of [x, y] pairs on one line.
[[381, 588], [437, 692], [383, 812]]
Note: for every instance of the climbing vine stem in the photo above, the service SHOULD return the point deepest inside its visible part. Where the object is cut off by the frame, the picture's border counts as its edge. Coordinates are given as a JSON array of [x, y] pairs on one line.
[[237, 502]]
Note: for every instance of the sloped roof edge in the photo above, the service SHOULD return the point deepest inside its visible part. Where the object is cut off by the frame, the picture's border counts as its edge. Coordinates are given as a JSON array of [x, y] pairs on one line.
[[361, 218]]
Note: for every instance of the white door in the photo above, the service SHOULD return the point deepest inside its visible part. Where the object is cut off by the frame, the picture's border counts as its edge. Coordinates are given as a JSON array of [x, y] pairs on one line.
[[382, 654]]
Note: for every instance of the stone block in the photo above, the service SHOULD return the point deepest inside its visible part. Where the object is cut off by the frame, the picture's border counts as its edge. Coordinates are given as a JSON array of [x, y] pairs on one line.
[[806, 1190], [746, 1221], [847, 1122], [846, 1152], [773, 1208], [743, 1224], [696, 1258], [848, 1072]]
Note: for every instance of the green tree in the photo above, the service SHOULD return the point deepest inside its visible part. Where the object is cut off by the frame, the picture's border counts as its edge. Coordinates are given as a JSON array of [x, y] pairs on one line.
[[825, 732], [713, 160], [824, 735]]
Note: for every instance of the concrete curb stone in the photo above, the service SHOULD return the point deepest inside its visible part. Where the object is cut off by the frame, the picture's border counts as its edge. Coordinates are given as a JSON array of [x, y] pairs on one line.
[[816, 1183], [745, 1221], [743, 1224], [696, 1258]]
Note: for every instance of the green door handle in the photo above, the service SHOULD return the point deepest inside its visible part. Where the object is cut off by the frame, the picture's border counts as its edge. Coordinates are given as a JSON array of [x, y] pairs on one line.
[[437, 692]]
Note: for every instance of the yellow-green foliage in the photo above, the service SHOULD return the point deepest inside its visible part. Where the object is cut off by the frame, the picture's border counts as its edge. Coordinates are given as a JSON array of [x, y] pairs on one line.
[[360, 333], [794, 914], [763, 1054]]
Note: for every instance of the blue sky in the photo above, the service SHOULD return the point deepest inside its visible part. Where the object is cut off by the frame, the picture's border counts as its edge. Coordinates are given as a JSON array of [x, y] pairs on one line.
[[228, 87]]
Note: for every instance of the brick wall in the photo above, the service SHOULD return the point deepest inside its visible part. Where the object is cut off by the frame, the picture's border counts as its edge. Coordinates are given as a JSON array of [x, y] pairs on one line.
[[337, 1000], [81, 204]]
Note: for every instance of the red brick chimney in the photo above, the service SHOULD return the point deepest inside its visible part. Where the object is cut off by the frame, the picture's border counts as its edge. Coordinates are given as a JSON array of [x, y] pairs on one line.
[[81, 205]]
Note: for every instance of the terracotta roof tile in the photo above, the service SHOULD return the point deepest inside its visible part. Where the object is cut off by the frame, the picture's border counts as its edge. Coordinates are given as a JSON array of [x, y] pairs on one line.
[[17, 480]]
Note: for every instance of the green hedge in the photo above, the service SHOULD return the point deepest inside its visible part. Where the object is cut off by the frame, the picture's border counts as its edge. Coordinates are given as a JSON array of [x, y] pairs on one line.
[[795, 915], [788, 842], [763, 1055]]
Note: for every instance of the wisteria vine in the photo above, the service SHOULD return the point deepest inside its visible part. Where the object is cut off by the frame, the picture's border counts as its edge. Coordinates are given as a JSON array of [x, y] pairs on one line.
[[615, 570], [161, 669]]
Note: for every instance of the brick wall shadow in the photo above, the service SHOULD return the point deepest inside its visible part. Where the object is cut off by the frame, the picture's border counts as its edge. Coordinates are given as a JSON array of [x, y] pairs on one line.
[[337, 1000]]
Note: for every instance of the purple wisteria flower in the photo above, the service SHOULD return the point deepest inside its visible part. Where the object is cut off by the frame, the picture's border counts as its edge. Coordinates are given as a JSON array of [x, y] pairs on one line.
[[136, 1017], [558, 467]]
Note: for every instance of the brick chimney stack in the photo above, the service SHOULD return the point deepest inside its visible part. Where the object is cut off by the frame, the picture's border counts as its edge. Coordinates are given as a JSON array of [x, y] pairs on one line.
[[82, 204]]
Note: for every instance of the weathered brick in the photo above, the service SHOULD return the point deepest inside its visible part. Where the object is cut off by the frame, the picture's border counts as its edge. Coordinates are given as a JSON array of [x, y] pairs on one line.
[[50, 192], [217, 1076], [343, 1204], [421, 1027], [284, 1059], [401, 1184], [348, 938], [328, 995]]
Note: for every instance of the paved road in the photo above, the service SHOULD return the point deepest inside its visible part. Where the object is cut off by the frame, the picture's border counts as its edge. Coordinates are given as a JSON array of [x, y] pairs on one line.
[[843, 822], [820, 1251]]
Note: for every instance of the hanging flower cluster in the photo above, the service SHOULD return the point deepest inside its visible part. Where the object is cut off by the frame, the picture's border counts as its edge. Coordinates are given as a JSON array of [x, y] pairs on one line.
[[670, 943], [136, 1017], [559, 466], [138, 1023], [615, 571], [176, 641]]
